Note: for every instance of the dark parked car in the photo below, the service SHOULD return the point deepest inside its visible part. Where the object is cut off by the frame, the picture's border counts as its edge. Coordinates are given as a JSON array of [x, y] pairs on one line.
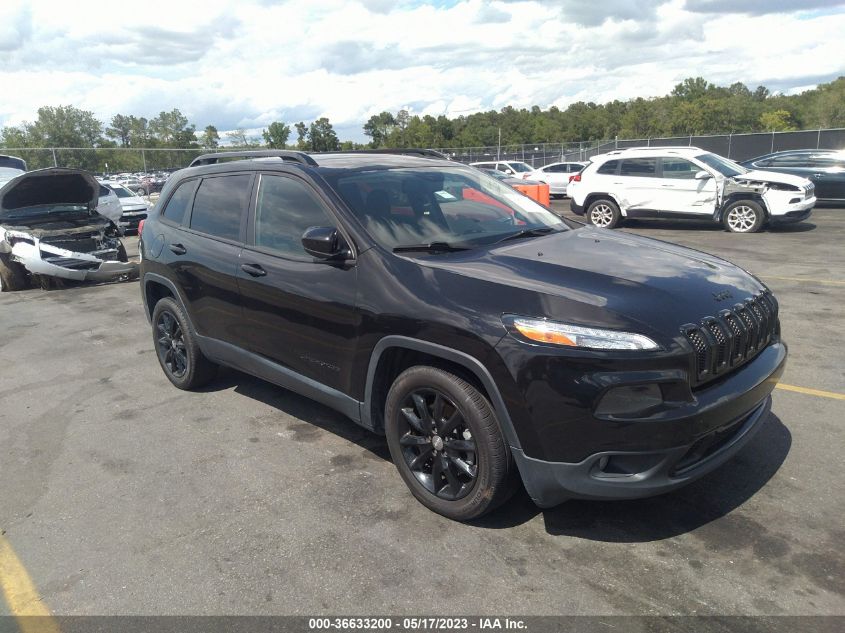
[[826, 168], [487, 338]]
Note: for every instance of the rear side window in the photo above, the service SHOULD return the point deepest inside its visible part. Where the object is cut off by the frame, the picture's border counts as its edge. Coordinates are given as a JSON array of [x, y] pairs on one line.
[[179, 201], [608, 168], [555, 169], [220, 204], [285, 209], [638, 167], [104, 191]]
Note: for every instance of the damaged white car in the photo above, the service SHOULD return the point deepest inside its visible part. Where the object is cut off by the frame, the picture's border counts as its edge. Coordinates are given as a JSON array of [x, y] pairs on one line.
[[50, 229], [687, 182]]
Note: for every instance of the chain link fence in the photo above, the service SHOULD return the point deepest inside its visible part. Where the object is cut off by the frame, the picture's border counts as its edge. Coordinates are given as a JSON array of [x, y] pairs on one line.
[[739, 147]]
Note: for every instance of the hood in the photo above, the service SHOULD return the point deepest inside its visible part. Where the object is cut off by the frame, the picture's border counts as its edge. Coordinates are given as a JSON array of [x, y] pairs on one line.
[[53, 186], [758, 175], [596, 276]]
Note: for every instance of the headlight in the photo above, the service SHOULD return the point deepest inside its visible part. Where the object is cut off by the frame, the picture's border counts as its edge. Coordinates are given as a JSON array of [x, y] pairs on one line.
[[555, 333]]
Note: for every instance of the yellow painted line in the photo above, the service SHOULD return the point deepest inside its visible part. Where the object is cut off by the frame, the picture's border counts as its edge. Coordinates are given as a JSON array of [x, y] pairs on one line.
[[812, 392], [21, 596], [812, 281]]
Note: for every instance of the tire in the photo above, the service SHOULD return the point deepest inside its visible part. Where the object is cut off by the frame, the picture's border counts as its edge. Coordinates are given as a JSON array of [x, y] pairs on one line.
[[12, 275], [604, 213], [176, 347], [463, 469], [744, 216]]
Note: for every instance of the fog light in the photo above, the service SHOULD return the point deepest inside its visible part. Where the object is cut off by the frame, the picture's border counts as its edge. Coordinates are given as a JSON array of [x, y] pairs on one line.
[[630, 400]]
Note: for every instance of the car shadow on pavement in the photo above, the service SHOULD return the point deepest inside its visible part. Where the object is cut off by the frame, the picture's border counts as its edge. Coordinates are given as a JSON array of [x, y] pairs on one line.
[[300, 408], [656, 518]]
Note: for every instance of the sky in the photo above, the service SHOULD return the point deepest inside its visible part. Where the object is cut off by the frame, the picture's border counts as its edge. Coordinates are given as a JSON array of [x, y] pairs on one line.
[[247, 63]]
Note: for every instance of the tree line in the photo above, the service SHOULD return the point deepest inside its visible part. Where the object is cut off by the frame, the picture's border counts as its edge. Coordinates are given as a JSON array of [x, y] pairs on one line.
[[694, 107]]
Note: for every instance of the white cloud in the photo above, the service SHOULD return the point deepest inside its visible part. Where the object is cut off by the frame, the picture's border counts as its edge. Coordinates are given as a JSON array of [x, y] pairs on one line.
[[247, 63]]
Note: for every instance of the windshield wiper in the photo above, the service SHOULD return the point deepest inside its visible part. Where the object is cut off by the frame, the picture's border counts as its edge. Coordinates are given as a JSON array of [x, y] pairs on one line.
[[431, 247], [535, 232]]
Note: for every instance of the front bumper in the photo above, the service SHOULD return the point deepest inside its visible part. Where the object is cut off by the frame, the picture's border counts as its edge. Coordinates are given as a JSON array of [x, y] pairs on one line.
[[44, 259], [657, 453], [551, 483], [576, 208], [791, 217]]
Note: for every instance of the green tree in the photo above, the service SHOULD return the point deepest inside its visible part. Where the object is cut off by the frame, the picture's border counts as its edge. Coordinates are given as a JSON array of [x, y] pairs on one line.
[[171, 129], [321, 136], [301, 136], [210, 137], [120, 129], [777, 121], [276, 135], [378, 127], [240, 138]]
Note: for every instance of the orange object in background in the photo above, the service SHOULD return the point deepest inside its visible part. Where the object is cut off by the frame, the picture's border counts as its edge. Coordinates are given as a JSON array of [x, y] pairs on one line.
[[539, 192]]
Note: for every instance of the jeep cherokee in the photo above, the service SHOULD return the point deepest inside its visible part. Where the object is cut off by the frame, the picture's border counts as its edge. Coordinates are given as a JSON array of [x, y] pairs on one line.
[[487, 338]]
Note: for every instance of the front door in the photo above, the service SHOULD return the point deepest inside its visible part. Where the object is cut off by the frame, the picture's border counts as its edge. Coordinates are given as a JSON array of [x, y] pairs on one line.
[[681, 192], [298, 311]]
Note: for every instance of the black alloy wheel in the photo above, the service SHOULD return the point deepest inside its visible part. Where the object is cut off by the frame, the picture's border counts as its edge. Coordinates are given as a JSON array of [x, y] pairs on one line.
[[437, 444], [170, 345]]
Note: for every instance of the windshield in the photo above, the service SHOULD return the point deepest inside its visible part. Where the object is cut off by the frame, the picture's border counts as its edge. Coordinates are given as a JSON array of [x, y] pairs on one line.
[[520, 167], [122, 192], [722, 165], [451, 205]]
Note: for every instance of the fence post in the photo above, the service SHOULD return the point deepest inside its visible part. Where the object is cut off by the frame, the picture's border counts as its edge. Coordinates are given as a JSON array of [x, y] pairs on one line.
[[616, 142], [55, 163], [818, 138], [690, 141], [144, 160], [730, 137], [772, 149]]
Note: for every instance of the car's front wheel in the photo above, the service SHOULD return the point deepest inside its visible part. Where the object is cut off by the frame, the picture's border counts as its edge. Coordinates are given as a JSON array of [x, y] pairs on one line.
[[744, 216], [176, 347], [604, 213], [446, 443], [12, 275]]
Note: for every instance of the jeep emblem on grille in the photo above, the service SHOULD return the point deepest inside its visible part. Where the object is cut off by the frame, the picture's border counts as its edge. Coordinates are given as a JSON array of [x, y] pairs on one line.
[[721, 296]]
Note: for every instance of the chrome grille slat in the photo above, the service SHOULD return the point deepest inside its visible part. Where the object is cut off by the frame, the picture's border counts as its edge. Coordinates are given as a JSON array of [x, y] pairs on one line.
[[727, 341]]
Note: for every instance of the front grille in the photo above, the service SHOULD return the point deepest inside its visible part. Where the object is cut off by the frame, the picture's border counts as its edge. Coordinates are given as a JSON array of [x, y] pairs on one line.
[[77, 245], [723, 342]]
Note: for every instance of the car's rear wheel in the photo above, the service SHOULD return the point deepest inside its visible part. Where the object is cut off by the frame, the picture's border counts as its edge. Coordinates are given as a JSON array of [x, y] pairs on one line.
[[604, 213], [445, 441], [176, 347], [744, 216], [12, 275]]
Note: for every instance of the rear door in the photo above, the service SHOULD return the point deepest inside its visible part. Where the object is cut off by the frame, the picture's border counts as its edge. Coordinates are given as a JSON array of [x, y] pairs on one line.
[[638, 184], [681, 192], [204, 254], [298, 311]]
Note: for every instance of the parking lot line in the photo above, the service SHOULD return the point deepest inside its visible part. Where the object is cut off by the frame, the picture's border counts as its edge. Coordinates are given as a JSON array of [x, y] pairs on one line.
[[21, 596], [808, 279], [812, 392]]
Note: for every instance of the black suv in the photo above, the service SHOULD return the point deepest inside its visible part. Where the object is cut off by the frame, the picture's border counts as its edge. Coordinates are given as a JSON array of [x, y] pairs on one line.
[[486, 337]]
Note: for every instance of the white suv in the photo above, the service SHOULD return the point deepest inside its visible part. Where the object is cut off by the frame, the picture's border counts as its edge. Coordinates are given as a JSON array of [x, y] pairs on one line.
[[686, 182]]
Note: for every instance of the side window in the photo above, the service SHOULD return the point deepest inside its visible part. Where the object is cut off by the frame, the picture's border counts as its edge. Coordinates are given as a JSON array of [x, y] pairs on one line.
[[556, 169], [789, 160], [179, 201], [679, 168], [285, 209], [641, 167], [220, 204], [503, 167], [608, 168]]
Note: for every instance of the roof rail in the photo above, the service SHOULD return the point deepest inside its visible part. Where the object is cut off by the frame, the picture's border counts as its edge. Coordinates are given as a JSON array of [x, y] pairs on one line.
[[284, 154], [660, 147], [406, 151]]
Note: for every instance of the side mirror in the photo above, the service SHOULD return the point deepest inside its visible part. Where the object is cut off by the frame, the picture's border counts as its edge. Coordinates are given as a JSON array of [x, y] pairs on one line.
[[323, 242], [702, 175]]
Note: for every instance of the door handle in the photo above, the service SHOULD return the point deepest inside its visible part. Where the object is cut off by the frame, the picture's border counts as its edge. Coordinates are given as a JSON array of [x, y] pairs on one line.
[[253, 269], [666, 186], [178, 249]]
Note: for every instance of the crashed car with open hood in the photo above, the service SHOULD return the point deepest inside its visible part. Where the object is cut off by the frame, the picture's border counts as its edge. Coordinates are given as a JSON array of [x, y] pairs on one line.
[[50, 228]]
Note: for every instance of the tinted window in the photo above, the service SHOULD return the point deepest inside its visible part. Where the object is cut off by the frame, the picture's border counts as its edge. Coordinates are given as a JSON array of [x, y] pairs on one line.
[[608, 168], [179, 201], [220, 204], [790, 160], [679, 168], [555, 169], [503, 167], [826, 161], [104, 191], [285, 209], [638, 167]]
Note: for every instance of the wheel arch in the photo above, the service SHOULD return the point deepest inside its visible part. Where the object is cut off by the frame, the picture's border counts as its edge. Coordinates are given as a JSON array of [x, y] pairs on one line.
[[740, 196], [393, 354], [154, 288], [592, 197]]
